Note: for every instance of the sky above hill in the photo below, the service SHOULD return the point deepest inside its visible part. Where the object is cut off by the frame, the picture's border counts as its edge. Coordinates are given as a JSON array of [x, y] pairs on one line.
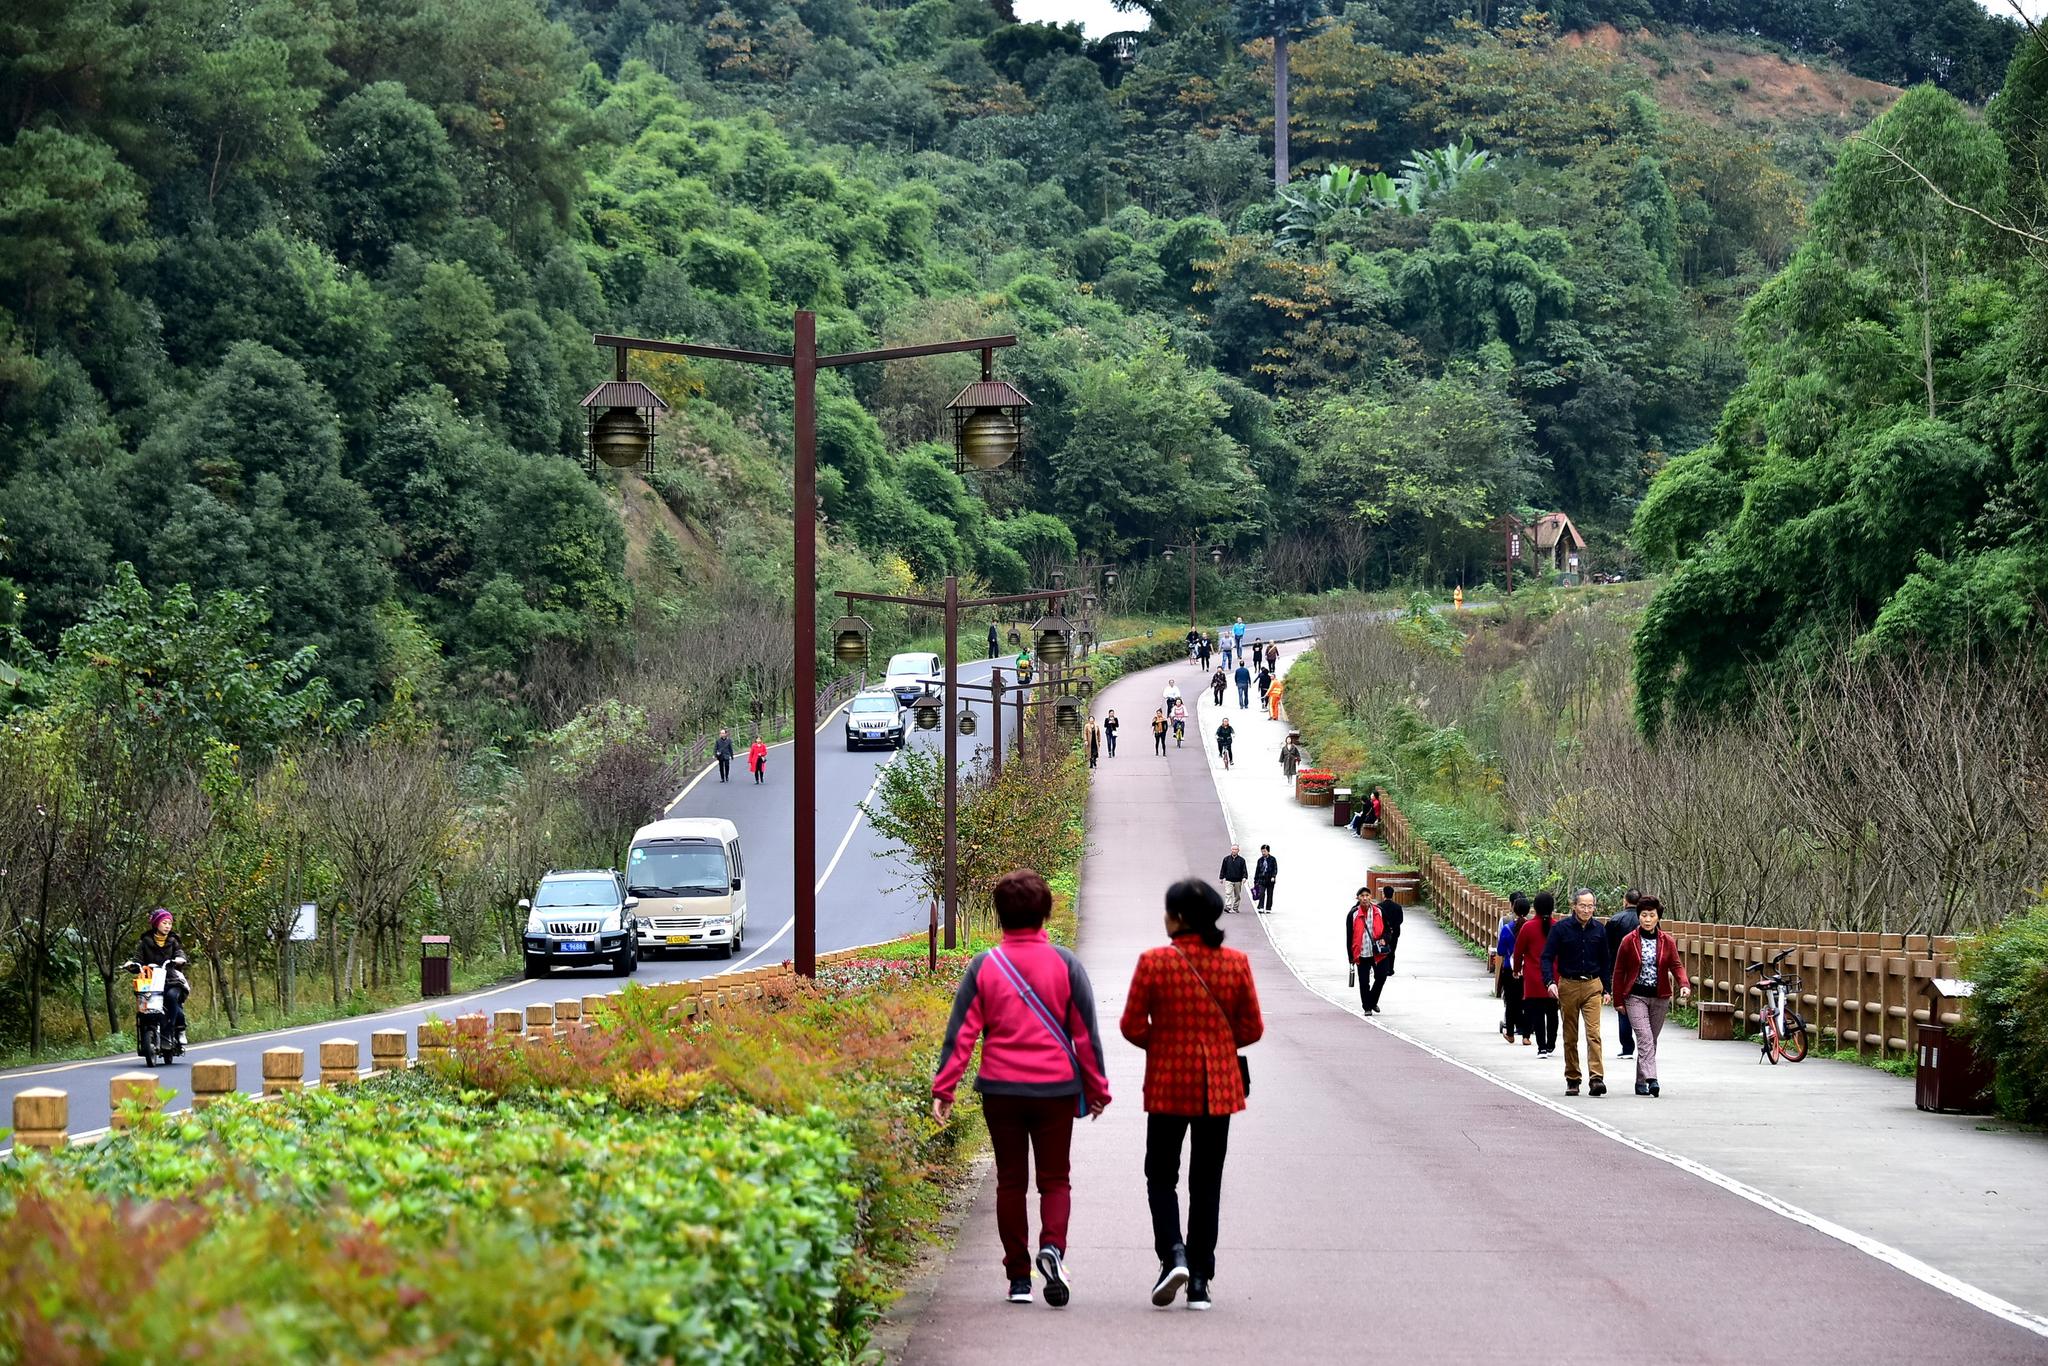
[[1098, 17]]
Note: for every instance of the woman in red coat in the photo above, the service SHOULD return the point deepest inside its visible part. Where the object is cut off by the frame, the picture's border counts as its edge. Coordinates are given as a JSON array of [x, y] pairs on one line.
[[1191, 1006], [1646, 968], [1539, 1007], [757, 761]]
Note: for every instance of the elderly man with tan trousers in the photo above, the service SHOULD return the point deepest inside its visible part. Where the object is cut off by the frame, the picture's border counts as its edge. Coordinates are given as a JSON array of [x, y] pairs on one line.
[[1576, 971]]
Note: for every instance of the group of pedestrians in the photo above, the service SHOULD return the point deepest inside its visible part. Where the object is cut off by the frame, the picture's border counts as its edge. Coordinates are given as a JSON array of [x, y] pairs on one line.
[[1264, 874], [1191, 1006], [757, 757], [1553, 970]]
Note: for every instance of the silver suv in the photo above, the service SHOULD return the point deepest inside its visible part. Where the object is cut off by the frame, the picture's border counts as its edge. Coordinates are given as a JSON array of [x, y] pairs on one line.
[[581, 918]]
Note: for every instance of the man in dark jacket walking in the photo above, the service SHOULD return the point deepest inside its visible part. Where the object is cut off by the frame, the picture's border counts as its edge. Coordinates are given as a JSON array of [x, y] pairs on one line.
[[995, 643], [1232, 875], [1390, 916], [1619, 926], [1264, 874], [1578, 972], [1243, 680], [722, 751]]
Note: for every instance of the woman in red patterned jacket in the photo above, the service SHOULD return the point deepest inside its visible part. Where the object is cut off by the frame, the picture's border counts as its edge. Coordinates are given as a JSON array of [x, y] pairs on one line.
[[1191, 1006]]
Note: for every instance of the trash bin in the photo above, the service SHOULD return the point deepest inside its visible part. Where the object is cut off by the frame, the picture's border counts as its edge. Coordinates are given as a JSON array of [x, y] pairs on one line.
[[1949, 1075], [434, 965], [1340, 809]]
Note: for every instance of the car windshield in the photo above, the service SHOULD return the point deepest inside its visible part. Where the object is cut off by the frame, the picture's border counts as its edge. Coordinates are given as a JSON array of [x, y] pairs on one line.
[[677, 870], [910, 666], [576, 892], [887, 704]]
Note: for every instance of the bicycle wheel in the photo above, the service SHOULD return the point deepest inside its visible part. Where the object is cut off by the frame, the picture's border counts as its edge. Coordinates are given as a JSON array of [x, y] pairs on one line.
[[1794, 1043], [1772, 1044]]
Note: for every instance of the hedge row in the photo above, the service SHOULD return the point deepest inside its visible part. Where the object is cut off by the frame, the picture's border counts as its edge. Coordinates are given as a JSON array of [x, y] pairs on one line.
[[734, 1190]]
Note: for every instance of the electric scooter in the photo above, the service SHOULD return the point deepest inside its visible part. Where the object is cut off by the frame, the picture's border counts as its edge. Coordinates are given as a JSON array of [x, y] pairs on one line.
[[155, 1037]]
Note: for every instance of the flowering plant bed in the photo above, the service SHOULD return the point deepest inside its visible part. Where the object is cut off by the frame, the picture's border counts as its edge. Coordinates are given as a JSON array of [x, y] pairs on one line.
[[1314, 786]]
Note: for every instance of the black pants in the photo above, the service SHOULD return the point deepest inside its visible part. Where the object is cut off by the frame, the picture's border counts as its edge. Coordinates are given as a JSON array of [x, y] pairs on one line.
[[1265, 890], [1512, 1020], [1625, 1030], [174, 1006], [1539, 1017], [724, 767], [1209, 1142], [1372, 979], [1110, 736], [1159, 741]]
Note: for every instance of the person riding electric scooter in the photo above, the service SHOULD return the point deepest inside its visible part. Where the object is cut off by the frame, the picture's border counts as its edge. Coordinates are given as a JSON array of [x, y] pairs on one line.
[[160, 947]]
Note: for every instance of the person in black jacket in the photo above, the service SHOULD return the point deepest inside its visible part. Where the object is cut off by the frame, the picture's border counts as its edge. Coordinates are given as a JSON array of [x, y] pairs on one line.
[[1619, 926], [1243, 679], [159, 946], [1577, 973], [1232, 875], [1264, 874], [995, 643], [1390, 916], [722, 751]]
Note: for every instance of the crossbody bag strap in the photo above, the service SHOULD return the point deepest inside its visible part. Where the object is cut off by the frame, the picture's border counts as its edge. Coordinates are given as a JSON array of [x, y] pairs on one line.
[[1036, 1005], [1207, 992]]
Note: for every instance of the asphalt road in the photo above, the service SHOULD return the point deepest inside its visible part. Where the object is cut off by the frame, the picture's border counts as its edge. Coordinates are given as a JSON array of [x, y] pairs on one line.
[[860, 901]]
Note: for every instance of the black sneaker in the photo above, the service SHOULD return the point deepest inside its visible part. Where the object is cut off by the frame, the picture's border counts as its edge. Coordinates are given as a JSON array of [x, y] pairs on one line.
[[1571, 1088], [1642, 1088], [1020, 1290], [1599, 1087], [1198, 1292], [1172, 1276], [1656, 1090], [1053, 1268]]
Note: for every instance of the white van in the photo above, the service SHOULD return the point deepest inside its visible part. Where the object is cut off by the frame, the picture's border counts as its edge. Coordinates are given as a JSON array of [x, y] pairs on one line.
[[689, 877], [909, 675]]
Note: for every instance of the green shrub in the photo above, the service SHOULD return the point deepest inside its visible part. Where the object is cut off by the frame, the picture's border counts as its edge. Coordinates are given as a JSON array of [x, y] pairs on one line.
[[1112, 662], [732, 1189], [2007, 1016]]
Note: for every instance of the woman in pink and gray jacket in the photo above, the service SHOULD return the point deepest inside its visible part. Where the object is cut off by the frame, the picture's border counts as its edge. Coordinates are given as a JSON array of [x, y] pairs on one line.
[[1030, 1004]]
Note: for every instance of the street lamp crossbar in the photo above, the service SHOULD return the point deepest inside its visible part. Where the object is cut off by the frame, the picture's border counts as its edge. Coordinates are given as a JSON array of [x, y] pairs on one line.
[[670, 348], [852, 596]]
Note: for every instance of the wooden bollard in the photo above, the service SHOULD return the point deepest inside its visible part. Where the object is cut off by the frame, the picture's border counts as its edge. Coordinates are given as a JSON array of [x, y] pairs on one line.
[[42, 1114], [507, 1022], [475, 1025], [435, 1039], [568, 1016], [340, 1061], [213, 1080], [132, 1086], [591, 1006], [284, 1069], [387, 1050], [540, 1021]]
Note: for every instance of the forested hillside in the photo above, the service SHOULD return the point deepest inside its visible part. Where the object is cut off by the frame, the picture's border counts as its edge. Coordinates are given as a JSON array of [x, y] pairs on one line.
[[298, 303]]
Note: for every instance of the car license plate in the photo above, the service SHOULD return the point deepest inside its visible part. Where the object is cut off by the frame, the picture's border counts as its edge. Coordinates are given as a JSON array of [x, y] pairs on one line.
[[871, 735], [679, 939], [574, 946]]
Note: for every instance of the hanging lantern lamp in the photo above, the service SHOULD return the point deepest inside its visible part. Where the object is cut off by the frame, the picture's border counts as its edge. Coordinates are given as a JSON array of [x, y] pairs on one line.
[[966, 722], [926, 710], [988, 423], [1051, 631], [850, 640], [620, 418]]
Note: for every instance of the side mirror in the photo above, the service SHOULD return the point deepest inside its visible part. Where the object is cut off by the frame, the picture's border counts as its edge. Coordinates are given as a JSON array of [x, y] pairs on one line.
[[735, 884], [524, 904], [631, 902]]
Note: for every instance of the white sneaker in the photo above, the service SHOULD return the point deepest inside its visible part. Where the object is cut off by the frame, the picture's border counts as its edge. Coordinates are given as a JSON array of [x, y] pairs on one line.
[[1054, 1268]]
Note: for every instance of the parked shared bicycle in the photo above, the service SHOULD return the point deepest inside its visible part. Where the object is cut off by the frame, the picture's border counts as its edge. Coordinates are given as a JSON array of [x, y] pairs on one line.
[[1784, 1034]]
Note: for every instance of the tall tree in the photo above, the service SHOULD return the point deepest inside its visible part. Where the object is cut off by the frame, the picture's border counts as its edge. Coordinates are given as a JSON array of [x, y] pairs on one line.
[[1279, 20]]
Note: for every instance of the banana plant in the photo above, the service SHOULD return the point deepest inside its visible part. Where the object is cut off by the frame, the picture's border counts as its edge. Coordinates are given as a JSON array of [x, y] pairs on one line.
[[1310, 206]]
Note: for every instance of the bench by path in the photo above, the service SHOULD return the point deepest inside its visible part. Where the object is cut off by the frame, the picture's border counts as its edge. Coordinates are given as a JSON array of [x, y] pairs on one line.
[[1964, 1194], [1381, 1203]]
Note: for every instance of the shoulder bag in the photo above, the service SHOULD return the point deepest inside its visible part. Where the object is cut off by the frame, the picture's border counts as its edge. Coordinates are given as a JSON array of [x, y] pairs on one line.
[[1244, 1067]]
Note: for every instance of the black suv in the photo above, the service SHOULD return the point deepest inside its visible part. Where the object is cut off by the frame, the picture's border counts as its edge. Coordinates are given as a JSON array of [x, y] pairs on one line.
[[581, 918]]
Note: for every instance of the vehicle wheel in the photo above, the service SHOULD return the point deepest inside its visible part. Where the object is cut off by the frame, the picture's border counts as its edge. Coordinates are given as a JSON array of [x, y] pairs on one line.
[[851, 747], [1772, 1044], [1794, 1042], [739, 939], [725, 949], [623, 965], [536, 967], [145, 1044]]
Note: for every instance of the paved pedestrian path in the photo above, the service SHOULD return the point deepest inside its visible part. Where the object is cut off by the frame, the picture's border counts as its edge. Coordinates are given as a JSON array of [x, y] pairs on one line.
[[1962, 1194], [1382, 1202]]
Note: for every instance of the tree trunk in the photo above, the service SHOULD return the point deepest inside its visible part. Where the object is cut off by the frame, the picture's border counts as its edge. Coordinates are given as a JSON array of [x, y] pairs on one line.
[[223, 985], [1280, 109], [85, 1000], [107, 990], [1927, 329]]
